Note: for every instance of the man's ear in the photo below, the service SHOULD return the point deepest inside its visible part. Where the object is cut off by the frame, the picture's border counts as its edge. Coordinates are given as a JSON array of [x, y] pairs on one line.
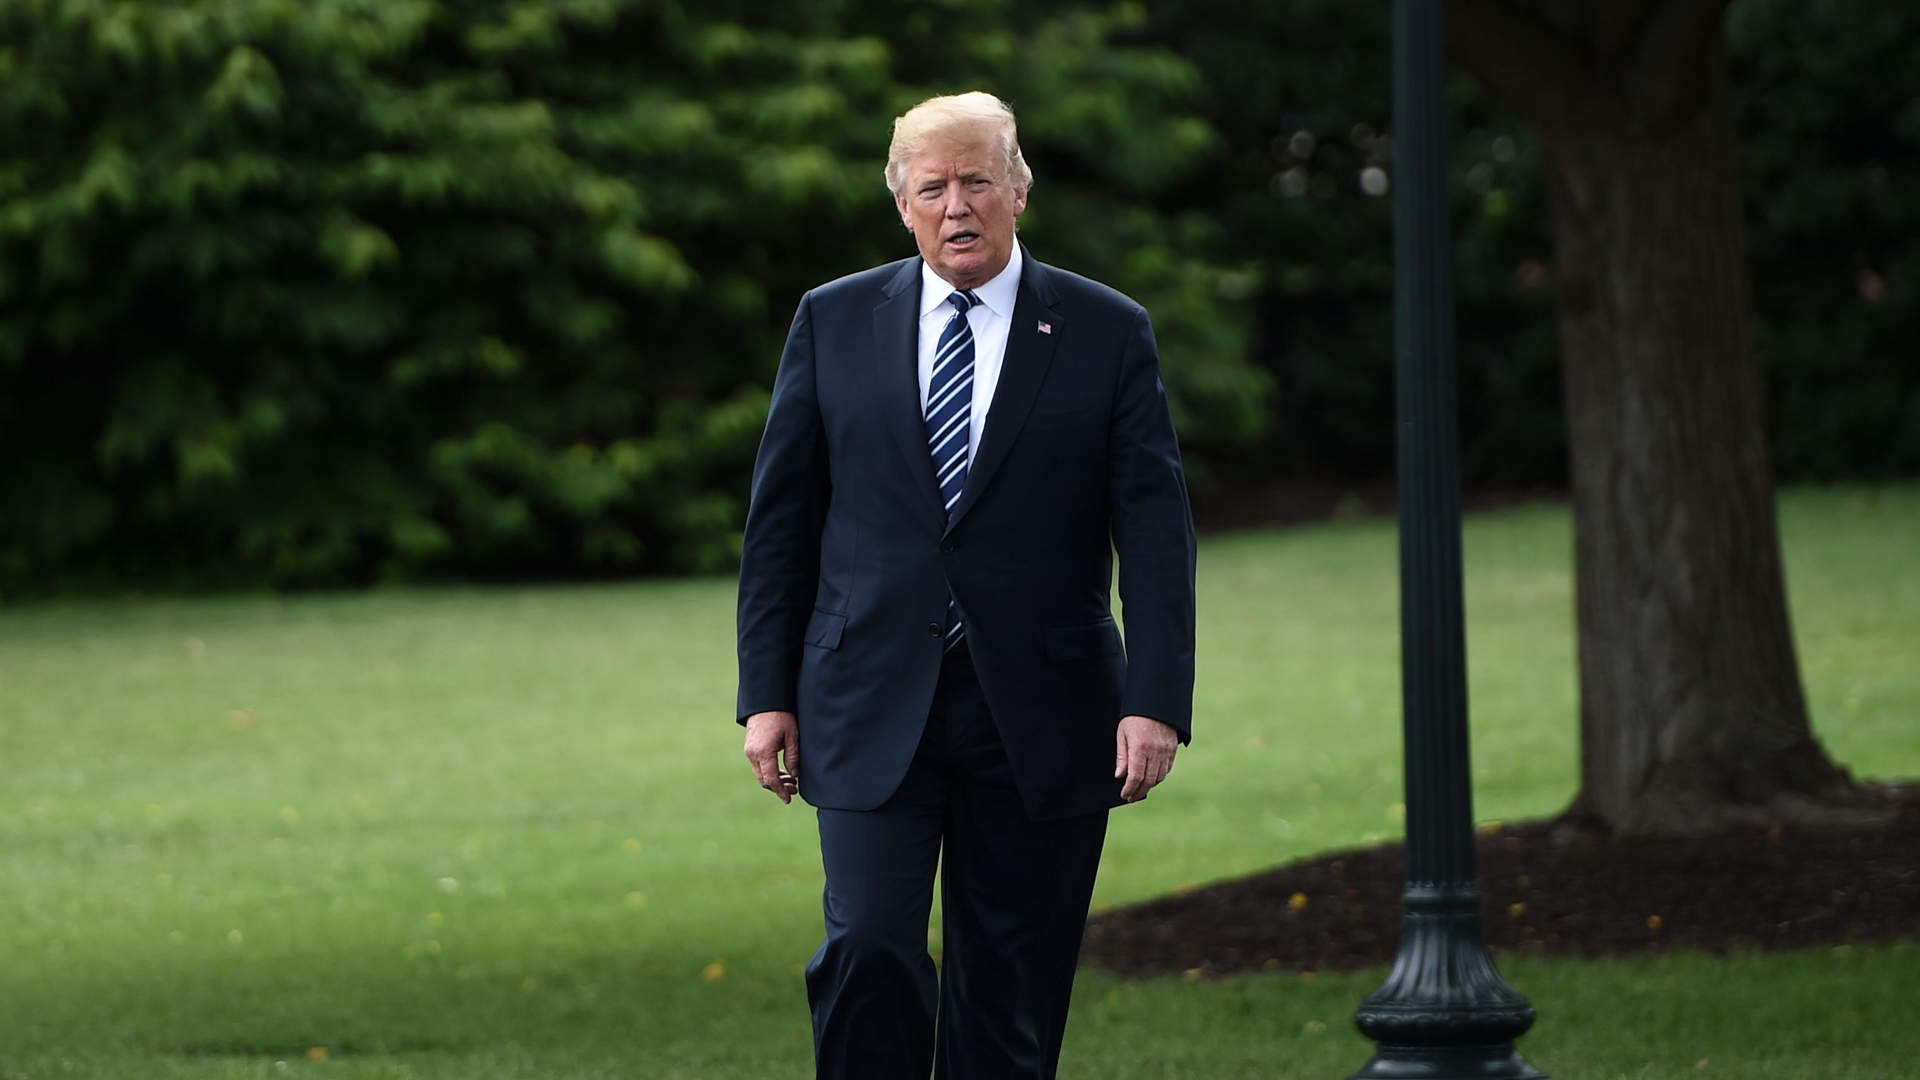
[[1019, 201], [900, 203]]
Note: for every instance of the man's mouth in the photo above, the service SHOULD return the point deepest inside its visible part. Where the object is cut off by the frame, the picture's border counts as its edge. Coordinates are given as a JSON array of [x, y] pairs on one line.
[[962, 237]]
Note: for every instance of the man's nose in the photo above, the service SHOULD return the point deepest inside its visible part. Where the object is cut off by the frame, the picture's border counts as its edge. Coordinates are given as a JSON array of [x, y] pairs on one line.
[[957, 202]]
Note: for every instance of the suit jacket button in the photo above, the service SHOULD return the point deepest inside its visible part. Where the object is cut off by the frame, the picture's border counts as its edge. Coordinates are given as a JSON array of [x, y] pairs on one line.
[[933, 628], [947, 546]]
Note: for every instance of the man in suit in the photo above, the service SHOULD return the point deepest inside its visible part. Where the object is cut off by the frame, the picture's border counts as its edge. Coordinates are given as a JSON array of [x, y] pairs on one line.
[[954, 440]]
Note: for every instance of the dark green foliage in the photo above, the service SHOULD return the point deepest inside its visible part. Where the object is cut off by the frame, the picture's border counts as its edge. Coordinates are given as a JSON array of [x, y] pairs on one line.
[[1830, 136], [324, 292], [1300, 92], [1829, 111], [308, 292]]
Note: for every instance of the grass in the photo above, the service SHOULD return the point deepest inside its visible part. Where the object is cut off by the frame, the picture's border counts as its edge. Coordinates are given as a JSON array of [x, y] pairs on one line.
[[466, 833]]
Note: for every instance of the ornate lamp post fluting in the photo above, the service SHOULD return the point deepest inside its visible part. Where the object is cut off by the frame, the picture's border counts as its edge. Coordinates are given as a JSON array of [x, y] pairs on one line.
[[1443, 1012]]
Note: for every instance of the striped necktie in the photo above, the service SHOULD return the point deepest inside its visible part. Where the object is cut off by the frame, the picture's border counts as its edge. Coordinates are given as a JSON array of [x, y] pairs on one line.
[[950, 419]]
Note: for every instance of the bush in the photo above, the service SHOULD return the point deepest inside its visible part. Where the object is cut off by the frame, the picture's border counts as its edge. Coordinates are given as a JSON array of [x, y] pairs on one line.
[[337, 291]]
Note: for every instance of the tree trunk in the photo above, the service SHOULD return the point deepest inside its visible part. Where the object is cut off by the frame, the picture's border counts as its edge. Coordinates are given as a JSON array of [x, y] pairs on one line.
[[1692, 716]]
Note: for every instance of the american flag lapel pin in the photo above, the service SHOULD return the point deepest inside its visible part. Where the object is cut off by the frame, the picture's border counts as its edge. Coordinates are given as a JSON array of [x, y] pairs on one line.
[[1046, 328]]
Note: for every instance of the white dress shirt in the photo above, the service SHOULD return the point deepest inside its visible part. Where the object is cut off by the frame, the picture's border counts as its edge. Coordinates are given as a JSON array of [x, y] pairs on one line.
[[990, 320]]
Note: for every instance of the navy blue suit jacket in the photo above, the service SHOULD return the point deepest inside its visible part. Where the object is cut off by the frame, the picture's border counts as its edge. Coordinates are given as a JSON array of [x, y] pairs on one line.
[[848, 555]]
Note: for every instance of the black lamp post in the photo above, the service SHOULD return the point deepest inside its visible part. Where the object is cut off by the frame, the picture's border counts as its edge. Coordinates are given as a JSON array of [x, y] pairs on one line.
[[1443, 1013]]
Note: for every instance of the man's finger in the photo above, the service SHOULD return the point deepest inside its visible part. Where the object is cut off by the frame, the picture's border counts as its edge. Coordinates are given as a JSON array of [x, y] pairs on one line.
[[1158, 762], [764, 771], [1119, 754], [1136, 772], [792, 752], [771, 779], [775, 780]]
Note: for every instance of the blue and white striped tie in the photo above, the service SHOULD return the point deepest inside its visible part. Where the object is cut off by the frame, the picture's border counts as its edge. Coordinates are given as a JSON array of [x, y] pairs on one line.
[[950, 419]]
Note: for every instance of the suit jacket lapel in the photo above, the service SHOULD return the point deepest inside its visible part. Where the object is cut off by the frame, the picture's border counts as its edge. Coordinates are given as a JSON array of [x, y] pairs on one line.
[[1029, 351], [896, 332]]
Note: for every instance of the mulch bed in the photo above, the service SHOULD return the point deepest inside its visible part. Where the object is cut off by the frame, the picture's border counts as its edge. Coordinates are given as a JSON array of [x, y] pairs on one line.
[[1545, 892]]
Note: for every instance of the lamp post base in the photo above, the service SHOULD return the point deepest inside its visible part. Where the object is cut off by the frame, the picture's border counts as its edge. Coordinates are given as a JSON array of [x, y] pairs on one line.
[[1500, 1062], [1443, 1012]]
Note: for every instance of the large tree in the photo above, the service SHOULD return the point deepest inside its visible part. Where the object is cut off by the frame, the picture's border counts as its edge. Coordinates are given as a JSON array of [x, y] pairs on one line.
[[1691, 708]]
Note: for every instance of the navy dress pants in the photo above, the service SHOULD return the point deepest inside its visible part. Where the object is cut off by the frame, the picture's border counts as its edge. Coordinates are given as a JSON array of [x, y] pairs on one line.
[[1013, 895]]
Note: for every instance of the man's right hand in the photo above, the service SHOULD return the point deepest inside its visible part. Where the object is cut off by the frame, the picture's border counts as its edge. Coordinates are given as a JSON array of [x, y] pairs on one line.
[[769, 735]]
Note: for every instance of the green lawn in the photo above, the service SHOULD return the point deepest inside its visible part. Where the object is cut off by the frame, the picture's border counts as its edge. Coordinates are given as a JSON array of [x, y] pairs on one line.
[[467, 833]]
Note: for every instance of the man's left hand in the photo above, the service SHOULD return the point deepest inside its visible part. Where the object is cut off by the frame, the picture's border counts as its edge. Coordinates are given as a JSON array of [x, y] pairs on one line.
[[1143, 753]]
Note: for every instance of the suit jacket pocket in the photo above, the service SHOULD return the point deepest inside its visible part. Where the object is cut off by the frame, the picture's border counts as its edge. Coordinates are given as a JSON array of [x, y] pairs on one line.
[[1080, 641], [824, 628]]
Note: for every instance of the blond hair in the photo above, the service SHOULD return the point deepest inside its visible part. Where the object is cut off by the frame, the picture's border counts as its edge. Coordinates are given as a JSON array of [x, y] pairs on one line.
[[976, 114]]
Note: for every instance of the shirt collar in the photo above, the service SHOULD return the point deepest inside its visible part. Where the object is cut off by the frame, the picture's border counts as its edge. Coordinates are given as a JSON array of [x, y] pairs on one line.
[[998, 294]]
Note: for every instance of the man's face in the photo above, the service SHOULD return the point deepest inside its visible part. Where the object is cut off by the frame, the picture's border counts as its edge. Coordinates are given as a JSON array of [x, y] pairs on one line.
[[960, 204]]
